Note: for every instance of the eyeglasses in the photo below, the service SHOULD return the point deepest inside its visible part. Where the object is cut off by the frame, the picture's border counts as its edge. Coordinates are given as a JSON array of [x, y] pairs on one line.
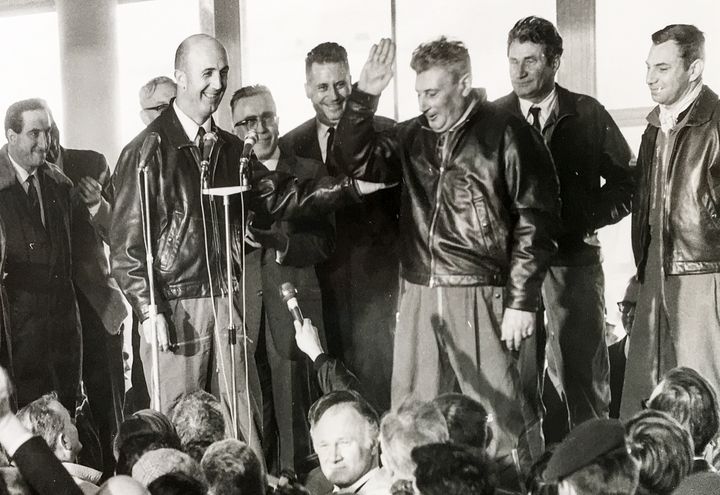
[[160, 108], [269, 119]]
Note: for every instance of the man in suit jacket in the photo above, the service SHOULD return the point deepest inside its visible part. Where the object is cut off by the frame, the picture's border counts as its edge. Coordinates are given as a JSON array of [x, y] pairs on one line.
[[101, 304], [41, 345], [359, 282], [287, 252]]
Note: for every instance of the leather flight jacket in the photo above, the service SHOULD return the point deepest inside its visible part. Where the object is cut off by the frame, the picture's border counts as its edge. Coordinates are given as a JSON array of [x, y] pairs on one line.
[[480, 202], [691, 209], [184, 221]]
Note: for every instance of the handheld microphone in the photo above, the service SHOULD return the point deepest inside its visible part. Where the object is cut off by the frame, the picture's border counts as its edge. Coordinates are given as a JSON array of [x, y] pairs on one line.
[[250, 139], [289, 295], [149, 147]]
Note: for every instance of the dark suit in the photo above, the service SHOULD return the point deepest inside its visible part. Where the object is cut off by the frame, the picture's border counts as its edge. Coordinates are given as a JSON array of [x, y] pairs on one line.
[[616, 354], [359, 282], [289, 384], [101, 304], [41, 345]]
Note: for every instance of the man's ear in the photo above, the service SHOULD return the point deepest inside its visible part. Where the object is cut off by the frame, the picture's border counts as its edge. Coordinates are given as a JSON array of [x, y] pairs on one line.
[[11, 136], [696, 69], [308, 91], [181, 79], [465, 84]]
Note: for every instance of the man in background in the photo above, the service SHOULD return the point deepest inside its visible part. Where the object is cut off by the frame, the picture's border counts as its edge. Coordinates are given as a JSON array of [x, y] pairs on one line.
[[155, 97]]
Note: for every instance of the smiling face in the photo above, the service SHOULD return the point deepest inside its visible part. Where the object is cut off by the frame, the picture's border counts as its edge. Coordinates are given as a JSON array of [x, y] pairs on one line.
[[343, 442], [667, 77], [202, 79], [257, 113], [532, 75], [328, 86], [29, 147], [442, 97]]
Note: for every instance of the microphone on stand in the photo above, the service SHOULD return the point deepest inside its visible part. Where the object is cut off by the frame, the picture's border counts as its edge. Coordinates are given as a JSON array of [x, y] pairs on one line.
[[289, 295], [209, 140], [148, 149], [250, 140]]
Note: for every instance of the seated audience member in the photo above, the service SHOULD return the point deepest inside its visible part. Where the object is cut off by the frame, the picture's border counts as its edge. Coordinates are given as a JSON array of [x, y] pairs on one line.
[[411, 425], [199, 421], [344, 429], [176, 484], [594, 460], [617, 352], [232, 468], [47, 418], [145, 430], [331, 372], [449, 469], [467, 420], [691, 400], [122, 485], [36, 464], [664, 449], [699, 484], [158, 462]]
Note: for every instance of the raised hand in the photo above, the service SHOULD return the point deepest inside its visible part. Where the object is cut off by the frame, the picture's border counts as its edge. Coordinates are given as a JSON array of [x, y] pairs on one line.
[[378, 70]]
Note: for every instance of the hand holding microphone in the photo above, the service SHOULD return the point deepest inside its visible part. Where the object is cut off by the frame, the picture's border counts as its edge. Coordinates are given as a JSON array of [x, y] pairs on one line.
[[306, 335]]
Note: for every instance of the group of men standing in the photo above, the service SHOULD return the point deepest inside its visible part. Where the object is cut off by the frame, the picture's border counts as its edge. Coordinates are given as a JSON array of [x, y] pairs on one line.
[[488, 211]]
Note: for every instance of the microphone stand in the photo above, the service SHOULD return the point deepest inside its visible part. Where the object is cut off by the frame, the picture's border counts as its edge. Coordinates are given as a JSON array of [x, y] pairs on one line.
[[152, 310], [226, 193]]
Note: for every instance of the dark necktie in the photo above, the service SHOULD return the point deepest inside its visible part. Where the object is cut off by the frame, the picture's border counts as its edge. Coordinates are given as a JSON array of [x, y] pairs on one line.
[[535, 112], [328, 150], [199, 139], [33, 198]]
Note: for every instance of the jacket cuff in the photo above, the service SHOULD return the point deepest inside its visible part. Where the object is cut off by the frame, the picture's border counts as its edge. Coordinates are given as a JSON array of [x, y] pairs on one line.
[[364, 99], [320, 361], [524, 302]]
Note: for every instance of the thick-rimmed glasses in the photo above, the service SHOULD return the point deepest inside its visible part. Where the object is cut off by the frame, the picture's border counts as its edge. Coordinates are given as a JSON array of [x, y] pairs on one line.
[[269, 119]]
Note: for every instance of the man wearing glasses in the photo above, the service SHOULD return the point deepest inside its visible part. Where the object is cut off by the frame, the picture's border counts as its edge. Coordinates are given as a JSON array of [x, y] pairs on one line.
[[155, 97], [288, 252]]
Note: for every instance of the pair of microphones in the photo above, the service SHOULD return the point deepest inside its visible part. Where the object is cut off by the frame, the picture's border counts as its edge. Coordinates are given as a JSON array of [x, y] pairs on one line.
[[152, 143]]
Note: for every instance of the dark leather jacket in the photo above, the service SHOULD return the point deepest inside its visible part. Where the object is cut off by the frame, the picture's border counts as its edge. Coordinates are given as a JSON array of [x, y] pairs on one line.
[[691, 219], [178, 232], [480, 203], [586, 145]]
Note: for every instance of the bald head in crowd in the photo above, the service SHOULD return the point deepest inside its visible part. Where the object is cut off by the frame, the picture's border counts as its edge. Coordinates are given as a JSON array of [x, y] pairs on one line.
[[201, 69], [155, 96]]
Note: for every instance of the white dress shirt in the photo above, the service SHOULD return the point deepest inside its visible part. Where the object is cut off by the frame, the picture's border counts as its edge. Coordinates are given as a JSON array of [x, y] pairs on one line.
[[548, 108], [323, 132], [22, 177], [188, 124]]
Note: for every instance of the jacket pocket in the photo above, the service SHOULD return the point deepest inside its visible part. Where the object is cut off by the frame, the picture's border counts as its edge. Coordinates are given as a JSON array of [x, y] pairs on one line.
[[711, 209], [170, 243], [485, 226]]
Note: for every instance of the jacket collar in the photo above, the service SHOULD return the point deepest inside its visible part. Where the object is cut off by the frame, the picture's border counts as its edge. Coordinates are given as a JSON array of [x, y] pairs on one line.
[[566, 103], [478, 96], [8, 178], [701, 111], [169, 124]]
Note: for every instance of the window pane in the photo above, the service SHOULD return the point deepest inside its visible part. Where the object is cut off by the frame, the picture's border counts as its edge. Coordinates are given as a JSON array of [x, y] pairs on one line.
[[623, 42], [31, 61], [147, 39], [482, 26], [276, 41]]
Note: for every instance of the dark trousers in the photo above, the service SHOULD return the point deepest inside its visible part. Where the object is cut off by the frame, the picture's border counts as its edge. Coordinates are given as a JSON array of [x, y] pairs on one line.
[[577, 355]]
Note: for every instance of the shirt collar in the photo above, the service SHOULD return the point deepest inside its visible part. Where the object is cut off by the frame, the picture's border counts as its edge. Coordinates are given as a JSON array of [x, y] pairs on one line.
[[547, 105], [359, 483], [669, 113], [322, 129], [272, 162], [21, 173], [188, 124]]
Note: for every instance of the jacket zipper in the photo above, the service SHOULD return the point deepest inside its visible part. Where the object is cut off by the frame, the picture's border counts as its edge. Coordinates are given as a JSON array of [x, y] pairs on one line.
[[436, 208]]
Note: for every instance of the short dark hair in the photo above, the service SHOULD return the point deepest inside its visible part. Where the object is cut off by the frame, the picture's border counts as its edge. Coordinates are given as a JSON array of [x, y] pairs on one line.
[[615, 473], [349, 398], [14, 114], [449, 469], [689, 38], [326, 53], [42, 420], [539, 31], [143, 431], [247, 92], [450, 55], [664, 449], [231, 467], [199, 421], [691, 400], [176, 483], [466, 419]]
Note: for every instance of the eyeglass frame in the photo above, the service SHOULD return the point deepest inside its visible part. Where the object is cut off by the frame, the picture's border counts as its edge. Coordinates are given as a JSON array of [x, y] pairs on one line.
[[251, 123]]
